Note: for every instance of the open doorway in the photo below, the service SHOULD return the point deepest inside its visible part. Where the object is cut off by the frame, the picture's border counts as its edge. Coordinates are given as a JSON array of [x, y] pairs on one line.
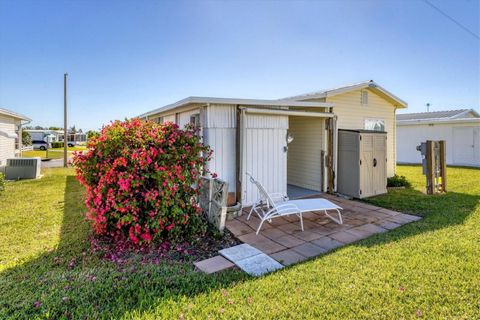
[[305, 176]]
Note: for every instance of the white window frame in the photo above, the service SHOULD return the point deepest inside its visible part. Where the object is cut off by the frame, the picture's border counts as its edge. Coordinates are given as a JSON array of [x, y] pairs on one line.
[[368, 120]]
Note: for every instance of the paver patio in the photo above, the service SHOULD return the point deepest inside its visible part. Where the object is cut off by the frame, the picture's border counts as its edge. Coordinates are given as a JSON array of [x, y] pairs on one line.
[[284, 241]]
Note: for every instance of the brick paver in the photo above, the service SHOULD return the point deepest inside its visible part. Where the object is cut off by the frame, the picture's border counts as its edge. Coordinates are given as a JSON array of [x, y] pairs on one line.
[[309, 250], [288, 257], [212, 265], [289, 241], [284, 241], [327, 243]]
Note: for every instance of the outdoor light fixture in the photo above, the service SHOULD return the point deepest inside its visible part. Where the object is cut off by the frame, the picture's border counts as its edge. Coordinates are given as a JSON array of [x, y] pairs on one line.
[[289, 140], [289, 137]]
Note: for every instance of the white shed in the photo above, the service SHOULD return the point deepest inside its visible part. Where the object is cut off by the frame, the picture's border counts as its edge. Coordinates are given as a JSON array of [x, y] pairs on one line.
[[250, 135], [10, 135], [459, 128]]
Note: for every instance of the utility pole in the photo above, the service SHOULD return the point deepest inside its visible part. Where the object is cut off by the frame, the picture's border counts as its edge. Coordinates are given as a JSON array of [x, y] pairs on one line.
[[65, 119]]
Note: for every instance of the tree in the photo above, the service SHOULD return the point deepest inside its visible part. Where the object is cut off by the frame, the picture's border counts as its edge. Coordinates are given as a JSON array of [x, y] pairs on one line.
[[26, 138], [73, 130], [92, 134]]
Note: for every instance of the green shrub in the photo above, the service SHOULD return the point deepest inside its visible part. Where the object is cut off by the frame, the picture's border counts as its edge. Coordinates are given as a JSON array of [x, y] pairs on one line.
[[57, 144], [26, 138], [2, 182], [398, 181]]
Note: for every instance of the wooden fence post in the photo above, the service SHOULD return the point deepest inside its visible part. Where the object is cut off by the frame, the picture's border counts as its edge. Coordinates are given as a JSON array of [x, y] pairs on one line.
[[443, 164], [430, 167]]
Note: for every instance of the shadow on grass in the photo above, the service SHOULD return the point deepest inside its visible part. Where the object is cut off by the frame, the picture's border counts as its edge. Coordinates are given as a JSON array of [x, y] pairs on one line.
[[437, 211], [72, 282]]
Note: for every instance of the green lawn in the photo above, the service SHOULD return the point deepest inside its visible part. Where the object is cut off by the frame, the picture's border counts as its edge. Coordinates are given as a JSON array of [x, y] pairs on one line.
[[427, 269], [52, 153]]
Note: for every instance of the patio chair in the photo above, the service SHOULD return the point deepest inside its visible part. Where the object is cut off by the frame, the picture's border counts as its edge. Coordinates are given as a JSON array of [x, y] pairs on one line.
[[275, 205]]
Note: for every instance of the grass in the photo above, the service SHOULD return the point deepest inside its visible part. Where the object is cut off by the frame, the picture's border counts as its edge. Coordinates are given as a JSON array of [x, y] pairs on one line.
[[426, 269], [52, 153]]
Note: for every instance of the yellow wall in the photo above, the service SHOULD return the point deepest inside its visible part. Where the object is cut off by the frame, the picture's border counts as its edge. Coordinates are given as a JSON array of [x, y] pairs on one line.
[[304, 152], [352, 114]]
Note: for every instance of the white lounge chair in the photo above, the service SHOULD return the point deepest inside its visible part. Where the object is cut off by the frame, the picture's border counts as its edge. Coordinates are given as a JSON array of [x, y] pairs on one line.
[[274, 205]]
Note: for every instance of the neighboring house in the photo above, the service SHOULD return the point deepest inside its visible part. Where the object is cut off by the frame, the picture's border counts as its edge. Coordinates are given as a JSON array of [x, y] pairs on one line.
[[56, 136], [250, 135], [459, 128], [10, 135]]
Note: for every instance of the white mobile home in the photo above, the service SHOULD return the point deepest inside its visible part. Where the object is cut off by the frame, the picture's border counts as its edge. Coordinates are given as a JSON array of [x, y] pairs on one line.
[[459, 128], [10, 135], [57, 136], [255, 136]]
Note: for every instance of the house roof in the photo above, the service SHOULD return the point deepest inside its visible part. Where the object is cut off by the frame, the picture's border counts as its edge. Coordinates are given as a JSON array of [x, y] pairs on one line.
[[243, 102], [437, 115], [370, 84], [13, 114]]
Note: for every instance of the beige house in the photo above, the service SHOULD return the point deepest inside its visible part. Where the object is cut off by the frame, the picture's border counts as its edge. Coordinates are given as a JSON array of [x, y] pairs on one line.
[[290, 144], [10, 135], [364, 105]]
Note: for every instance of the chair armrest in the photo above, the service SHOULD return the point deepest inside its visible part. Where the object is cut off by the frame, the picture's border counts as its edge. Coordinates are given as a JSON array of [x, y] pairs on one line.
[[278, 196], [279, 209]]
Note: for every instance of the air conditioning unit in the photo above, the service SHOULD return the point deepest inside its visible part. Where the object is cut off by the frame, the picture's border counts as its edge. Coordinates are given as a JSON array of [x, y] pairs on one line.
[[23, 168]]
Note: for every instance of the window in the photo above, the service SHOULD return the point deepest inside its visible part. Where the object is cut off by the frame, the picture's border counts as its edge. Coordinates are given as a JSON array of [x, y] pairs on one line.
[[364, 97], [160, 120], [195, 119], [375, 124]]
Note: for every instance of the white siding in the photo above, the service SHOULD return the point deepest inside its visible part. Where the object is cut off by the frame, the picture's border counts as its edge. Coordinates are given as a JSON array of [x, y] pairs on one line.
[[219, 133], [410, 136], [183, 118], [223, 163], [169, 118], [220, 116], [7, 145], [304, 152], [352, 114], [264, 156]]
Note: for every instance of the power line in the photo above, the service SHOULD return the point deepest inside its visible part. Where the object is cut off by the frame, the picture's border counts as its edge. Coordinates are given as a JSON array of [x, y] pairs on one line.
[[452, 19]]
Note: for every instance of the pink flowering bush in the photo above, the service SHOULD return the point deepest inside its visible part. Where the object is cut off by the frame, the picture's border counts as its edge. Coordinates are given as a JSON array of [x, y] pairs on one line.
[[141, 181]]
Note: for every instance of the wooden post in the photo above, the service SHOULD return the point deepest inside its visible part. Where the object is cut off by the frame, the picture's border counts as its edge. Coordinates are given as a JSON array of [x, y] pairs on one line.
[[430, 167], [330, 173], [443, 164]]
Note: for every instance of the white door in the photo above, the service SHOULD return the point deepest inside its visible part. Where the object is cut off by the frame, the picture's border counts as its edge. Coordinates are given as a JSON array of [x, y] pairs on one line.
[[465, 146], [263, 154]]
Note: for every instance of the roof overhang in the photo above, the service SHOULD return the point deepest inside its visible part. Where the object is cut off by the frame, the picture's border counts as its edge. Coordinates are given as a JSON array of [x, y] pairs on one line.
[[288, 112], [15, 115], [240, 102], [372, 85], [437, 121]]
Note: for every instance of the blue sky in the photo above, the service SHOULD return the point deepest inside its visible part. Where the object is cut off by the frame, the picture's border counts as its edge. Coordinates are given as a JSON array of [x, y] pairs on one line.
[[128, 57]]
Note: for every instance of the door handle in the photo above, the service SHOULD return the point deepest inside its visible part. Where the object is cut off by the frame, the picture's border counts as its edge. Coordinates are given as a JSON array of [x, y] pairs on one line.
[[374, 162]]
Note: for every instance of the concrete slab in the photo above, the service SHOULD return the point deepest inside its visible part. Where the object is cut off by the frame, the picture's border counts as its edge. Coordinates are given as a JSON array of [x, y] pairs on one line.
[[239, 252], [258, 265]]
